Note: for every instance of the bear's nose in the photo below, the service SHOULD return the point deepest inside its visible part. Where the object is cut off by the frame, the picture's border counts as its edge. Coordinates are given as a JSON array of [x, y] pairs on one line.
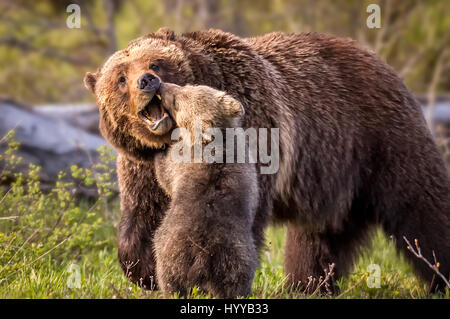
[[148, 83]]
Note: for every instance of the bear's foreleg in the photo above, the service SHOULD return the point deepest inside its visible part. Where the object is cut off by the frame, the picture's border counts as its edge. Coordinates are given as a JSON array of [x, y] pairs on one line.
[[143, 204]]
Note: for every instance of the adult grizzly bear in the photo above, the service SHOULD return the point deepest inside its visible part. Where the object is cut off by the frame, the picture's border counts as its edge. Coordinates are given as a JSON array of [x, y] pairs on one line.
[[354, 147], [205, 238]]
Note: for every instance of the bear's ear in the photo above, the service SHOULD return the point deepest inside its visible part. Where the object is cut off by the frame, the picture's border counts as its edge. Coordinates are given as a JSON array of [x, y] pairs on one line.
[[233, 107], [166, 34], [89, 81]]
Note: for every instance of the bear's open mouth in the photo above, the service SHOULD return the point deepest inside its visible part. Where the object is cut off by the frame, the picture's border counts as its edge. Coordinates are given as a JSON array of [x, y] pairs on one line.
[[153, 113]]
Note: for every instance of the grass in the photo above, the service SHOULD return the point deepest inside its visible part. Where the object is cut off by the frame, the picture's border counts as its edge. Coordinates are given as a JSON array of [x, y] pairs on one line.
[[101, 276], [47, 238], [397, 279]]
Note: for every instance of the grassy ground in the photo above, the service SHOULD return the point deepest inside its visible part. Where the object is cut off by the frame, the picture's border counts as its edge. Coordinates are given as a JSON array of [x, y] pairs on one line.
[[47, 238], [101, 276]]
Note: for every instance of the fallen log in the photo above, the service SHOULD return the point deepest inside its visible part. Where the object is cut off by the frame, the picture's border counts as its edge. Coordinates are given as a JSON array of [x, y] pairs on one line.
[[52, 143]]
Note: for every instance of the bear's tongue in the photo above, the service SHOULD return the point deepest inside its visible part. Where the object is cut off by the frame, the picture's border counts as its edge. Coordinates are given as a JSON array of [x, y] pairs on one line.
[[154, 112]]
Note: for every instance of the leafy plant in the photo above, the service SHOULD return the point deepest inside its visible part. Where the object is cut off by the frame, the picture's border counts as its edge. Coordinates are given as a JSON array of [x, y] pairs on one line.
[[38, 227]]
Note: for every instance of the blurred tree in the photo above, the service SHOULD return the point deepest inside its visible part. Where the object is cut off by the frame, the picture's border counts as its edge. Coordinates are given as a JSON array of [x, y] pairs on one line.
[[41, 60]]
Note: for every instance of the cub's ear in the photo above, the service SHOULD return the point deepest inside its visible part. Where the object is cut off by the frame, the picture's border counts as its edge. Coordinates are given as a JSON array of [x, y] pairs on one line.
[[166, 34], [233, 107], [89, 81]]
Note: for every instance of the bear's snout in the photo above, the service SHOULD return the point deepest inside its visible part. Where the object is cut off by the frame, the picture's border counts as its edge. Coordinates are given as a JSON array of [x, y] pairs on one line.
[[148, 83]]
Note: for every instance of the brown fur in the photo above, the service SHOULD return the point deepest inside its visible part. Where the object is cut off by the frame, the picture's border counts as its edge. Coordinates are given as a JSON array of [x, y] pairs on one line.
[[355, 149], [215, 109], [205, 238]]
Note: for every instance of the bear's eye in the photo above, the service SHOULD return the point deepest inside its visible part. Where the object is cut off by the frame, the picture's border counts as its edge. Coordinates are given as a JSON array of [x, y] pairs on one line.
[[122, 80], [154, 67]]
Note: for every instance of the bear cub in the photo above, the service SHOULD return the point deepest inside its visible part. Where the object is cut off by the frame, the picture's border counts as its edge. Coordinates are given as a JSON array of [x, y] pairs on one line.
[[205, 238]]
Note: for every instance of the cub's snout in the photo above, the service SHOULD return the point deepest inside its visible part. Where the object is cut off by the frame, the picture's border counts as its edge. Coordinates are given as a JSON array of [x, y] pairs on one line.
[[168, 93]]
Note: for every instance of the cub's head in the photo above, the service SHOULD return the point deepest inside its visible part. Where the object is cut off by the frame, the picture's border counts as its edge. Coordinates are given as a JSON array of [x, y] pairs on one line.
[[190, 103], [126, 90]]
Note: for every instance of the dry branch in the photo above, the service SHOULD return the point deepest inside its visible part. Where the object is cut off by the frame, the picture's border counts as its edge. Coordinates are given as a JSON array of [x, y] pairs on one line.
[[418, 253]]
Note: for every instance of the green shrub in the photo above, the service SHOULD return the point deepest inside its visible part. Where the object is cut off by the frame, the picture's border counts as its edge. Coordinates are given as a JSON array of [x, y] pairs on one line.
[[37, 227]]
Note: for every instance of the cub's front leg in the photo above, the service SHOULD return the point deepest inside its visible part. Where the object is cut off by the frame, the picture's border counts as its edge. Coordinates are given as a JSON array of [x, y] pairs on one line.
[[205, 238], [143, 204]]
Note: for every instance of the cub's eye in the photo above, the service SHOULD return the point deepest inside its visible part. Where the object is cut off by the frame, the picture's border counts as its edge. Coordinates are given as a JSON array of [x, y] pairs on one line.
[[122, 80], [154, 67]]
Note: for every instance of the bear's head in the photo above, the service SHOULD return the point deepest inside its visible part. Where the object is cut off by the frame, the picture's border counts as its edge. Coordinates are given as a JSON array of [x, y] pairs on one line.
[[190, 105], [126, 87]]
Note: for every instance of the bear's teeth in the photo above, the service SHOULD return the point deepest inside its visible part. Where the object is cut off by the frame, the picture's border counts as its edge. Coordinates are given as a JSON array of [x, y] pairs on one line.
[[146, 117], [158, 96]]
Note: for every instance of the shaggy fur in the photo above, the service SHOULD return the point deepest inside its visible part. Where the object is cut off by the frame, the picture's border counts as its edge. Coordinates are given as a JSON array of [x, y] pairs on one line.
[[142, 204], [205, 238], [355, 149]]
